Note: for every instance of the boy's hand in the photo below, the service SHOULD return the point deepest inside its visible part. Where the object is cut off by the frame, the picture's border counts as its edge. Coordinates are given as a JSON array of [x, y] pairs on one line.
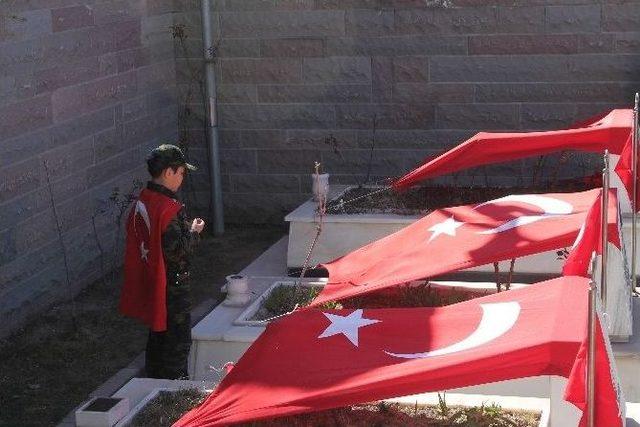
[[197, 225]]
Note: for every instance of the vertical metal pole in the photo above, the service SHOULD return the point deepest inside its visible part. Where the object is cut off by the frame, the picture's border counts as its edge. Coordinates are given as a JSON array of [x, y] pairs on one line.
[[212, 119], [634, 201], [605, 228], [591, 357]]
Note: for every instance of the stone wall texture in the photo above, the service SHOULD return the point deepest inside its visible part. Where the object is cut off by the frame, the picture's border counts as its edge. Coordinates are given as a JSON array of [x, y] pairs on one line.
[[86, 87], [366, 87], [325, 80]]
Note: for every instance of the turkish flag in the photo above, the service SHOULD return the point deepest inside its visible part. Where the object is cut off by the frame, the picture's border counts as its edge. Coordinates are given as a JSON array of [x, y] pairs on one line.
[[609, 401], [589, 238], [625, 171], [610, 131], [313, 360], [144, 293], [457, 238]]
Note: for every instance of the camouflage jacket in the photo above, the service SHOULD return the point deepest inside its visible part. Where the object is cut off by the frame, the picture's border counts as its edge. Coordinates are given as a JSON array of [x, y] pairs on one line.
[[178, 241]]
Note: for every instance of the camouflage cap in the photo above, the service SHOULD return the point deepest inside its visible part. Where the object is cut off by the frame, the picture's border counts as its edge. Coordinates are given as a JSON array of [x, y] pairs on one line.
[[168, 155]]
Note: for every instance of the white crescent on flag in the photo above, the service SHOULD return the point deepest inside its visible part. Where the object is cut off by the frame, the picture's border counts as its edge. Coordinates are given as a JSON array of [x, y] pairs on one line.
[[142, 210], [550, 206], [497, 319]]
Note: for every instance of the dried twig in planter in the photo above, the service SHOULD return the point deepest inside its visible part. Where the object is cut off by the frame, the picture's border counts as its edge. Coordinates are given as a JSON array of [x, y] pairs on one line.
[[563, 158], [322, 209], [373, 145], [63, 246], [103, 270], [496, 269], [510, 277], [537, 170]]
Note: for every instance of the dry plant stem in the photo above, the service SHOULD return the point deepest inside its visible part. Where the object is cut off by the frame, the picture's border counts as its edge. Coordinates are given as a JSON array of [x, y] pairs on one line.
[[496, 270], [64, 248], [373, 145], [561, 161], [122, 208], [510, 277], [486, 176], [342, 203], [537, 170], [116, 246], [185, 113], [322, 206], [103, 270], [305, 265]]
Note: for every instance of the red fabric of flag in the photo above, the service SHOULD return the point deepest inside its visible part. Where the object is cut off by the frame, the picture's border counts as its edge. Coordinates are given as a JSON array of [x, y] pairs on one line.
[[461, 237], [314, 360], [604, 132], [144, 291], [589, 238], [625, 172]]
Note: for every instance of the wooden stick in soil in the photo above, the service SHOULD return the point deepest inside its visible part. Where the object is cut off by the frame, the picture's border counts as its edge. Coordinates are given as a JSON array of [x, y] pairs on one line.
[[556, 172], [65, 258], [496, 269], [321, 211], [510, 277], [103, 270]]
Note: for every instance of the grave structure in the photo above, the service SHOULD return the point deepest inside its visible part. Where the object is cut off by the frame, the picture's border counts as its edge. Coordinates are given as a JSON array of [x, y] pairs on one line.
[[227, 332]]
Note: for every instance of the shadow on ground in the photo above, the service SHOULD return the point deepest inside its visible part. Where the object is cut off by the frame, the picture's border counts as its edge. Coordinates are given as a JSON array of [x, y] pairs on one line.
[[52, 364]]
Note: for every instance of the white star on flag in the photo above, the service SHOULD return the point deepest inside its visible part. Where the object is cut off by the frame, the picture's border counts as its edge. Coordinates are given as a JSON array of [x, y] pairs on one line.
[[448, 226], [346, 325], [143, 251]]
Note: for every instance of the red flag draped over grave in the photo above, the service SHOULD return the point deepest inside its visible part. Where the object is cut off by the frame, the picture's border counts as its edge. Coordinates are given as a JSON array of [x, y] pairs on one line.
[[314, 360], [589, 239], [625, 171], [461, 237], [610, 131]]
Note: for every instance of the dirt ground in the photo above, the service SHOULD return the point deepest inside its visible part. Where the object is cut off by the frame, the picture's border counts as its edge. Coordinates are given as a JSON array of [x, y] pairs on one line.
[[422, 200], [52, 365]]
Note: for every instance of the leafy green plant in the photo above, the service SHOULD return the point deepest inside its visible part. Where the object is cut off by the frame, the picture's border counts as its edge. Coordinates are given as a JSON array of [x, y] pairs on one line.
[[284, 299], [443, 409], [484, 415], [481, 416]]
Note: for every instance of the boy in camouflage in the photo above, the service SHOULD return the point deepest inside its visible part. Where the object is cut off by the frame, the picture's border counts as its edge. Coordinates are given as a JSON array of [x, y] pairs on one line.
[[160, 242]]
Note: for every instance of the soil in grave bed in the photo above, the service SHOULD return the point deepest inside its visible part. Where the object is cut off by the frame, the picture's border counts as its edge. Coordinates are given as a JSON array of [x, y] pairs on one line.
[[421, 200], [168, 407], [283, 299], [401, 415]]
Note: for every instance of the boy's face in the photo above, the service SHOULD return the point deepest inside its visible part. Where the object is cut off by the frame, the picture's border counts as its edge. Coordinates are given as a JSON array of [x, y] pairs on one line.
[[173, 180]]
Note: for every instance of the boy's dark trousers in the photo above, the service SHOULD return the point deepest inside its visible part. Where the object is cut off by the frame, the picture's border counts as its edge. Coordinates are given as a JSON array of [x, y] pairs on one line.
[[167, 352]]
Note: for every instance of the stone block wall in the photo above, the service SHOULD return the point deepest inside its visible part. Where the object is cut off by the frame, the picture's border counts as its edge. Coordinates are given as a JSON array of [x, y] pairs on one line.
[[86, 87], [306, 80]]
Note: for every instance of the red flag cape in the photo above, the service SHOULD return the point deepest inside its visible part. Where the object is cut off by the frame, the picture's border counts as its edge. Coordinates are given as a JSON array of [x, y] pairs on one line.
[[144, 291], [589, 238], [457, 238], [605, 132], [625, 171], [314, 360]]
